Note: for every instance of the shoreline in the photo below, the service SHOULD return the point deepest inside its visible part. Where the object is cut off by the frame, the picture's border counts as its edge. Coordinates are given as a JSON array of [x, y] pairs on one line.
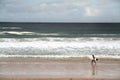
[[57, 79], [29, 59]]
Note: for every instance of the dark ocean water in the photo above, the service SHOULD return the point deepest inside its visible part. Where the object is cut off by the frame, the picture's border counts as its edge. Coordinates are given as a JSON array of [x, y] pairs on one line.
[[59, 39], [36, 30]]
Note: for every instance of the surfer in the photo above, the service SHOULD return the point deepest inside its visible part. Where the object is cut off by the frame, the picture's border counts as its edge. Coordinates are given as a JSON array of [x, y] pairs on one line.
[[93, 64], [94, 59]]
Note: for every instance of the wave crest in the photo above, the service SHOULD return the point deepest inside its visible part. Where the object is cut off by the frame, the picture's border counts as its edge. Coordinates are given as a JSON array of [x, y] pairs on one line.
[[10, 28]]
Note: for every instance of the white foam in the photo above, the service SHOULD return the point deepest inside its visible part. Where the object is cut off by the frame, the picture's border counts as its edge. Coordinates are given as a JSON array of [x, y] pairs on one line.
[[12, 28], [61, 47], [58, 39], [58, 56], [28, 33], [16, 32], [97, 44]]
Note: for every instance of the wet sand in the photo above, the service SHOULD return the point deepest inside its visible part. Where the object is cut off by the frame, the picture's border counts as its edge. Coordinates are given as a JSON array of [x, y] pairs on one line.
[[39, 69], [57, 79]]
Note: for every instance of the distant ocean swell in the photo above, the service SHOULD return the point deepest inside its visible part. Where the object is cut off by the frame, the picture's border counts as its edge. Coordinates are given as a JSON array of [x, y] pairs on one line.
[[59, 47], [30, 34]]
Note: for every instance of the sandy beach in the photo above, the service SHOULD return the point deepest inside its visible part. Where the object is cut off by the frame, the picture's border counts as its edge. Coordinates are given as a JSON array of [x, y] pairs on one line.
[[67, 69], [57, 79]]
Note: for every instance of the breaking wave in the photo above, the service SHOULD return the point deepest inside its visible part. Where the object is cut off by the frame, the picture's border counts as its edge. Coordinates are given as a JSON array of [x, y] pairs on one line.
[[30, 34], [10, 28], [59, 47], [23, 34]]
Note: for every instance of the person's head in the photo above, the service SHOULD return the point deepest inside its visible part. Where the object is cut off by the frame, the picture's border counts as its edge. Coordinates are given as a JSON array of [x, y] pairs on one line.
[[93, 56]]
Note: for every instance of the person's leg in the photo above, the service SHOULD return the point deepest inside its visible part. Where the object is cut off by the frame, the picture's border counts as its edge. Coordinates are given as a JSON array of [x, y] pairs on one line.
[[94, 61]]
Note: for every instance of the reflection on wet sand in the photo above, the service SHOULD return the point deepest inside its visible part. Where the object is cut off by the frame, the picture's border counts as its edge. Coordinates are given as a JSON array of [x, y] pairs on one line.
[[93, 69]]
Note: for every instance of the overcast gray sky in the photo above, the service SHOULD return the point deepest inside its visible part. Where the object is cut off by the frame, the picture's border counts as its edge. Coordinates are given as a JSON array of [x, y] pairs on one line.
[[60, 10]]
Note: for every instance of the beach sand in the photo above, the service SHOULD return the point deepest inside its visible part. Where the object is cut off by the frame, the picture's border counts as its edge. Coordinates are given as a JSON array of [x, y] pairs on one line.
[[57, 79], [58, 69]]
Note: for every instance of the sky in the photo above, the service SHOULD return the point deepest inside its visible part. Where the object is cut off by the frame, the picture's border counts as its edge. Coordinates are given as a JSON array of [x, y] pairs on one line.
[[59, 10]]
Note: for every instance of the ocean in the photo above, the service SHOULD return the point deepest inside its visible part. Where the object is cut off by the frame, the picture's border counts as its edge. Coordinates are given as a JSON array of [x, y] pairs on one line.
[[59, 40]]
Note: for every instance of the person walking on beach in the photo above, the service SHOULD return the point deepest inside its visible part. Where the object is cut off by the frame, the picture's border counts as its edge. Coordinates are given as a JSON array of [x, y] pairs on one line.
[[94, 59], [93, 64]]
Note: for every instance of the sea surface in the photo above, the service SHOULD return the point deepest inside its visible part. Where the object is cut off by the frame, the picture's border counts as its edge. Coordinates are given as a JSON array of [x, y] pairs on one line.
[[59, 40]]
